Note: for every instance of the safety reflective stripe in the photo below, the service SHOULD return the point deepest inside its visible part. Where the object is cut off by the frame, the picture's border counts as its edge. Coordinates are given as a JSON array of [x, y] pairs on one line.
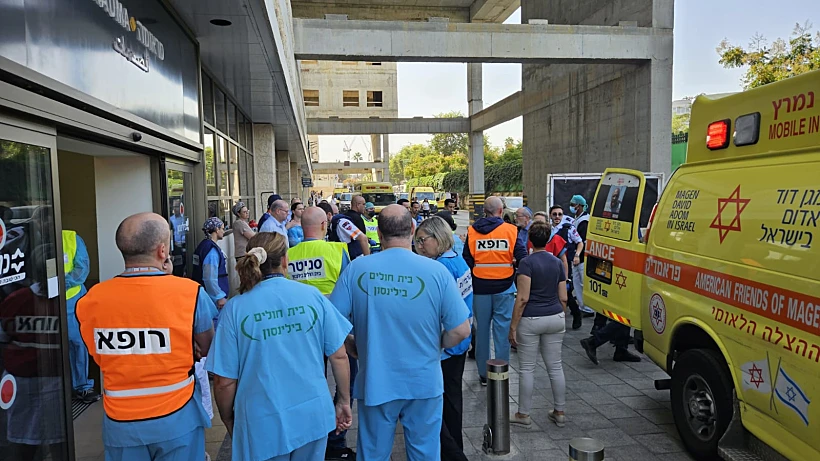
[[493, 265], [36, 345], [150, 390]]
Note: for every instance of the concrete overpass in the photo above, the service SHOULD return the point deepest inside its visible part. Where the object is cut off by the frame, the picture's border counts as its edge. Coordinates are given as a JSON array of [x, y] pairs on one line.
[[351, 126], [347, 167]]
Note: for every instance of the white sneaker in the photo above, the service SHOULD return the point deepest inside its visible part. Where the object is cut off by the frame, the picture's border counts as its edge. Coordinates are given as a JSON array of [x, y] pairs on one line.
[[559, 420], [521, 420]]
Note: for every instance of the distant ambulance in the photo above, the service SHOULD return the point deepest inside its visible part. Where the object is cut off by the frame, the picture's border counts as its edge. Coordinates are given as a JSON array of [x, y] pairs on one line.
[[723, 287]]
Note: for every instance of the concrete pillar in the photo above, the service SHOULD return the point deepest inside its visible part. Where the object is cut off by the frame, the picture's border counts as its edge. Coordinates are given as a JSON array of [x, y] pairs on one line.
[[283, 173], [376, 148], [475, 160], [660, 117], [386, 158], [264, 166], [296, 179]]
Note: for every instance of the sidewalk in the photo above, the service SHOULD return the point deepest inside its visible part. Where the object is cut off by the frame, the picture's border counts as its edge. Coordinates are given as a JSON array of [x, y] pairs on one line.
[[614, 402]]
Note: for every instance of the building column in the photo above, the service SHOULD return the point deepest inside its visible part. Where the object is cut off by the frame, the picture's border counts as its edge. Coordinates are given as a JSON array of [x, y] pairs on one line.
[[296, 180], [264, 166], [386, 158], [475, 160], [283, 173], [376, 148], [661, 76]]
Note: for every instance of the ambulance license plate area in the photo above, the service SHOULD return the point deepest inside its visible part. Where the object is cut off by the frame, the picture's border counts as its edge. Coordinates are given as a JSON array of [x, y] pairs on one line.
[[599, 269]]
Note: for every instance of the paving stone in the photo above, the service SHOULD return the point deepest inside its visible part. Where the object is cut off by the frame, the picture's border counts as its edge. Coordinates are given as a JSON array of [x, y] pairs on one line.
[[578, 407], [605, 379], [640, 403], [591, 421], [529, 442], [616, 411], [628, 453], [584, 386], [638, 425], [657, 416], [659, 443], [548, 455], [641, 383], [622, 390], [612, 437], [656, 395], [597, 398]]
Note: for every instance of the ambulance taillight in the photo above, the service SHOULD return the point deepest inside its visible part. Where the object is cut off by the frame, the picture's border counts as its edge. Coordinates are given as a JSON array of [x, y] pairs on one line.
[[717, 135]]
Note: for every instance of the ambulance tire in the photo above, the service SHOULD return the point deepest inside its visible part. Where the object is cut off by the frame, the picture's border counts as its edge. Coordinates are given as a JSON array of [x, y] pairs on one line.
[[701, 367]]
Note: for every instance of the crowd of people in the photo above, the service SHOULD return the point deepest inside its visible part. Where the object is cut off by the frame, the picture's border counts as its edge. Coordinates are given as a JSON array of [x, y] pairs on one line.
[[395, 302]]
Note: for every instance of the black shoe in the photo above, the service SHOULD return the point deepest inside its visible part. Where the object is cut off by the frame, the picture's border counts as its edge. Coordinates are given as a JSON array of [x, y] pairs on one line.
[[483, 381], [335, 454], [623, 355], [577, 320], [471, 354], [590, 350], [88, 396], [589, 314]]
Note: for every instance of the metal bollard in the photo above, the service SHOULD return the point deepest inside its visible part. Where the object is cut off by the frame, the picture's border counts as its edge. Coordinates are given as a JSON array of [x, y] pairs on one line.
[[586, 449], [497, 429]]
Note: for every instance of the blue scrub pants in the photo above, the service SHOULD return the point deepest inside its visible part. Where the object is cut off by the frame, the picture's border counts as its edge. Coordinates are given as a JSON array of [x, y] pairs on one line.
[[421, 420], [311, 452], [492, 311], [189, 447], [77, 352]]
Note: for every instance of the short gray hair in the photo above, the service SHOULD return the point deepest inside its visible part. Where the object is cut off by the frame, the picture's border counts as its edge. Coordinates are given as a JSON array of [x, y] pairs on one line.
[[438, 228]]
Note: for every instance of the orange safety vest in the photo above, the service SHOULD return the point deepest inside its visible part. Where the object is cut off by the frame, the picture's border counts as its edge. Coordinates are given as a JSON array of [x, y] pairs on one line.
[[493, 252], [139, 330]]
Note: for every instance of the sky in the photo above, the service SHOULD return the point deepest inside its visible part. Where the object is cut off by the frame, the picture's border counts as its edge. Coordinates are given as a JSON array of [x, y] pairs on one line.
[[426, 89]]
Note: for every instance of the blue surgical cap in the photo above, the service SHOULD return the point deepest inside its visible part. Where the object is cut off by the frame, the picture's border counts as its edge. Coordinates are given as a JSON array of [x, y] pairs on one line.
[[579, 200]]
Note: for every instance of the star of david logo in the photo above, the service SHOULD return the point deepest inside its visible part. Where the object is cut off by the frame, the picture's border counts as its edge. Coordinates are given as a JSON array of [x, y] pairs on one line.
[[756, 376], [739, 205], [791, 394], [620, 280], [656, 313]]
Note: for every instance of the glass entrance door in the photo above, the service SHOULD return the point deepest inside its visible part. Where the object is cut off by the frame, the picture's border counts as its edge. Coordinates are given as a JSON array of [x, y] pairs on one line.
[[179, 180], [33, 423]]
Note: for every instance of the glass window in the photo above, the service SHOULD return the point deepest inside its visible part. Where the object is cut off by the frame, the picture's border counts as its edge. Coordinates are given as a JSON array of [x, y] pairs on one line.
[[234, 169], [243, 173], [210, 163], [207, 100], [350, 98], [311, 98], [241, 120], [249, 177], [29, 314], [179, 189], [225, 212], [249, 134], [222, 166], [374, 99], [219, 104], [231, 121], [617, 197]]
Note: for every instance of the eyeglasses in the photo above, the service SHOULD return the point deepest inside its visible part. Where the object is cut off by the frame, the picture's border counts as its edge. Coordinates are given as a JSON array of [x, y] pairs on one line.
[[421, 240]]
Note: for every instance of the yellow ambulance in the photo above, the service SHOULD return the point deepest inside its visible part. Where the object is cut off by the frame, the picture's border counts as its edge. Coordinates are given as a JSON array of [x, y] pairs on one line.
[[722, 282]]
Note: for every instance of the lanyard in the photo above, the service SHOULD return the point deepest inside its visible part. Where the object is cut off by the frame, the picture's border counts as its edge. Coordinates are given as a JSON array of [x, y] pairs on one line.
[[273, 276], [131, 270]]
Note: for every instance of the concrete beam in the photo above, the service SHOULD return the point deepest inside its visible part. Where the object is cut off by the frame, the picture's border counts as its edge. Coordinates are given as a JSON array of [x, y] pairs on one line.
[[354, 167], [478, 42], [493, 10], [365, 126]]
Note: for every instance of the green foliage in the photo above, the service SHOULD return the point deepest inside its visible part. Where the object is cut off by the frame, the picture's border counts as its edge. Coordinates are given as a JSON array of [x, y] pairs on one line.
[[767, 63], [448, 144], [680, 123], [357, 157]]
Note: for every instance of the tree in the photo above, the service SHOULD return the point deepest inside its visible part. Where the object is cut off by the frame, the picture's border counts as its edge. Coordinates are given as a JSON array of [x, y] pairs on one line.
[[357, 156], [767, 63], [680, 123], [448, 144]]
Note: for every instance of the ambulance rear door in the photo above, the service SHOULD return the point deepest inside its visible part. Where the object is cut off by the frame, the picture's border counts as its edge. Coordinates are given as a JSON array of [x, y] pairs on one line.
[[613, 250]]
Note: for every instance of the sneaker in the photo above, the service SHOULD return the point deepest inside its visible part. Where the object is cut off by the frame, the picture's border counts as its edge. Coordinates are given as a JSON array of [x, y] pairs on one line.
[[560, 420], [482, 380], [88, 396], [340, 454], [623, 355], [521, 420], [587, 345]]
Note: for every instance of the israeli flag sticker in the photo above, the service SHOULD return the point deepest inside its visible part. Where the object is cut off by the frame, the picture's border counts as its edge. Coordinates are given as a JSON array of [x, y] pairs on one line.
[[791, 395]]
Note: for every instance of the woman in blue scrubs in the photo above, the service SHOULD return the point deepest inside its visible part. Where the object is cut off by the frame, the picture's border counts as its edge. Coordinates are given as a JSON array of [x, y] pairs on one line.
[[268, 361], [434, 239]]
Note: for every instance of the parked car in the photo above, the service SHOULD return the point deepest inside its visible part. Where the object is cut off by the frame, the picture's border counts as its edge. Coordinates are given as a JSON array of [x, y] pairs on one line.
[[511, 205]]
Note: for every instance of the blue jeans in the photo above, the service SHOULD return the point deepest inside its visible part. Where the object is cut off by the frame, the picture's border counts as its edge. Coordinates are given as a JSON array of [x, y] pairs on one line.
[[335, 440], [492, 311], [77, 352], [421, 420]]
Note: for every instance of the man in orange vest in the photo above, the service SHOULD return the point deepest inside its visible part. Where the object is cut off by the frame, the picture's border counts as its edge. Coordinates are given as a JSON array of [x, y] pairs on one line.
[[141, 328], [489, 251]]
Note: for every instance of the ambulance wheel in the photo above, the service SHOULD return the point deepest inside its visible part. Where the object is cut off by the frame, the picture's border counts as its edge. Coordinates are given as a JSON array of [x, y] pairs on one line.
[[701, 394]]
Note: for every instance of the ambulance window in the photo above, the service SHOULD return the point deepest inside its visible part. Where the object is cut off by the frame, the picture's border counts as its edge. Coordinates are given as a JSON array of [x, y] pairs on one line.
[[617, 197]]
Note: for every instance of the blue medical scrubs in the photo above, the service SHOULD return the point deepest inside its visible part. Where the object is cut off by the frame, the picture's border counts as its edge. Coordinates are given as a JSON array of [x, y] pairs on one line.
[[398, 303], [179, 436], [295, 236], [77, 352], [215, 287], [273, 340]]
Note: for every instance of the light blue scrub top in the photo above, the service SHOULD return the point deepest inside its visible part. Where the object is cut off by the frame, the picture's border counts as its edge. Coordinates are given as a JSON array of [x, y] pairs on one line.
[[398, 302], [78, 275], [273, 340], [272, 225], [295, 236], [464, 280], [210, 276], [175, 425]]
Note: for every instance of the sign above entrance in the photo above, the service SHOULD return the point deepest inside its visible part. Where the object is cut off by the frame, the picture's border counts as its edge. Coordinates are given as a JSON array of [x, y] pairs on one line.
[[120, 15]]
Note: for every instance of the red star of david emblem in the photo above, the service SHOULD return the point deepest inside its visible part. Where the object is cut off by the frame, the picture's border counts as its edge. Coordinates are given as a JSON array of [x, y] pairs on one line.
[[756, 376], [739, 205], [620, 280]]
